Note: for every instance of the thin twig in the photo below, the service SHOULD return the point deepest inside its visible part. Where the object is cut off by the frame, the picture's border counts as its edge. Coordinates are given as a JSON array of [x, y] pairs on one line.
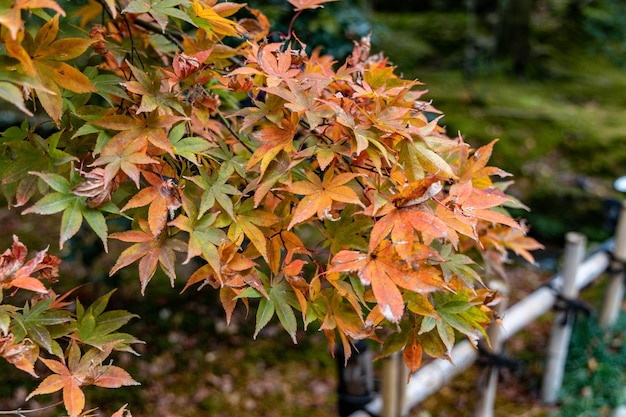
[[20, 412]]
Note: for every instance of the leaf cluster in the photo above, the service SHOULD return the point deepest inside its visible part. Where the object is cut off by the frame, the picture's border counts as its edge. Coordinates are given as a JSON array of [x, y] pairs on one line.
[[324, 190], [73, 343]]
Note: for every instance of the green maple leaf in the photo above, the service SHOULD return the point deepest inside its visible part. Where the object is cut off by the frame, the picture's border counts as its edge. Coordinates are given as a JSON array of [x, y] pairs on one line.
[[458, 312], [458, 264], [188, 147], [160, 10], [281, 303], [348, 231], [97, 327], [36, 322], [216, 189], [14, 170], [73, 207], [204, 238]]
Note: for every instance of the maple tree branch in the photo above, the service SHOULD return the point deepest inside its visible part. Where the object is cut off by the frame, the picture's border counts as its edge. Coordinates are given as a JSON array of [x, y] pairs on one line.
[[293, 19], [20, 412], [232, 132], [174, 38]]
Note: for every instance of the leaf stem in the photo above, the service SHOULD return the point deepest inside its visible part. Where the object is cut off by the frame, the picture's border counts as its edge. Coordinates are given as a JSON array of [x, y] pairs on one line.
[[293, 19], [20, 412]]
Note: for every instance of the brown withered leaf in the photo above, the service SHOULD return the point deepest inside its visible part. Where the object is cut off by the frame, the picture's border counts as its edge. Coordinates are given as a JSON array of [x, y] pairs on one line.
[[16, 273], [95, 188], [22, 355]]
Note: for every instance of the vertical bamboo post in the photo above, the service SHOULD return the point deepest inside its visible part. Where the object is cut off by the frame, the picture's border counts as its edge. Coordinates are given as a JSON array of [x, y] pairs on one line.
[[562, 326], [394, 382], [487, 392], [403, 376], [389, 386], [614, 293]]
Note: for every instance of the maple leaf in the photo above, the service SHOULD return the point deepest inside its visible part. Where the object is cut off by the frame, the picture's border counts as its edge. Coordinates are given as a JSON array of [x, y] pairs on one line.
[[127, 154], [475, 168], [468, 205], [216, 189], [247, 222], [22, 355], [95, 188], [308, 4], [122, 412], [208, 19], [203, 237], [79, 372], [347, 232], [11, 17], [16, 272], [160, 10], [503, 238], [73, 207], [97, 327], [320, 195], [412, 354], [457, 311], [163, 196], [234, 274], [42, 58], [274, 139], [302, 101], [150, 251], [404, 223], [385, 271]]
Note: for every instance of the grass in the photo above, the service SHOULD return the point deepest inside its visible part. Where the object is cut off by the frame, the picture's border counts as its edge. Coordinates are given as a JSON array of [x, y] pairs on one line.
[[562, 130], [595, 374]]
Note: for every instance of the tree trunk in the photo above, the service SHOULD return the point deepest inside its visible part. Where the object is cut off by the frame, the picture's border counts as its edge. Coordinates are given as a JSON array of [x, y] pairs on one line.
[[513, 33]]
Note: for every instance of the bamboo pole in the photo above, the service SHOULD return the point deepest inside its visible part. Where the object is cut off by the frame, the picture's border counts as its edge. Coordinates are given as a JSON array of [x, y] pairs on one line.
[[487, 391], [389, 385], [432, 376], [562, 325], [614, 293]]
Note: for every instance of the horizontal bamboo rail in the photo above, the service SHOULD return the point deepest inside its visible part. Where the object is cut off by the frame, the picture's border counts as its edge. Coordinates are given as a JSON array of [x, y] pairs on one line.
[[431, 377]]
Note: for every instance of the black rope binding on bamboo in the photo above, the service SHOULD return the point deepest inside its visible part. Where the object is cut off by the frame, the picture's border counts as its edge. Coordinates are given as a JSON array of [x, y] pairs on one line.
[[488, 358], [571, 308], [616, 266]]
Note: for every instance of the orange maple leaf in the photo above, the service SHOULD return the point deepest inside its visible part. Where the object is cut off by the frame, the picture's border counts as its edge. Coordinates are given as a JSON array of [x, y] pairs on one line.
[[125, 154], [163, 196], [404, 223], [42, 58], [274, 139], [320, 195], [467, 205], [22, 355], [11, 17], [150, 250], [475, 168], [308, 4], [236, 272], [385, 271], [80, 372]]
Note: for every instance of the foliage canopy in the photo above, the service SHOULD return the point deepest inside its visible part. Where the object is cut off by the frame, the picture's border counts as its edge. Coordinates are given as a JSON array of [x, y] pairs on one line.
[[324, 190]]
